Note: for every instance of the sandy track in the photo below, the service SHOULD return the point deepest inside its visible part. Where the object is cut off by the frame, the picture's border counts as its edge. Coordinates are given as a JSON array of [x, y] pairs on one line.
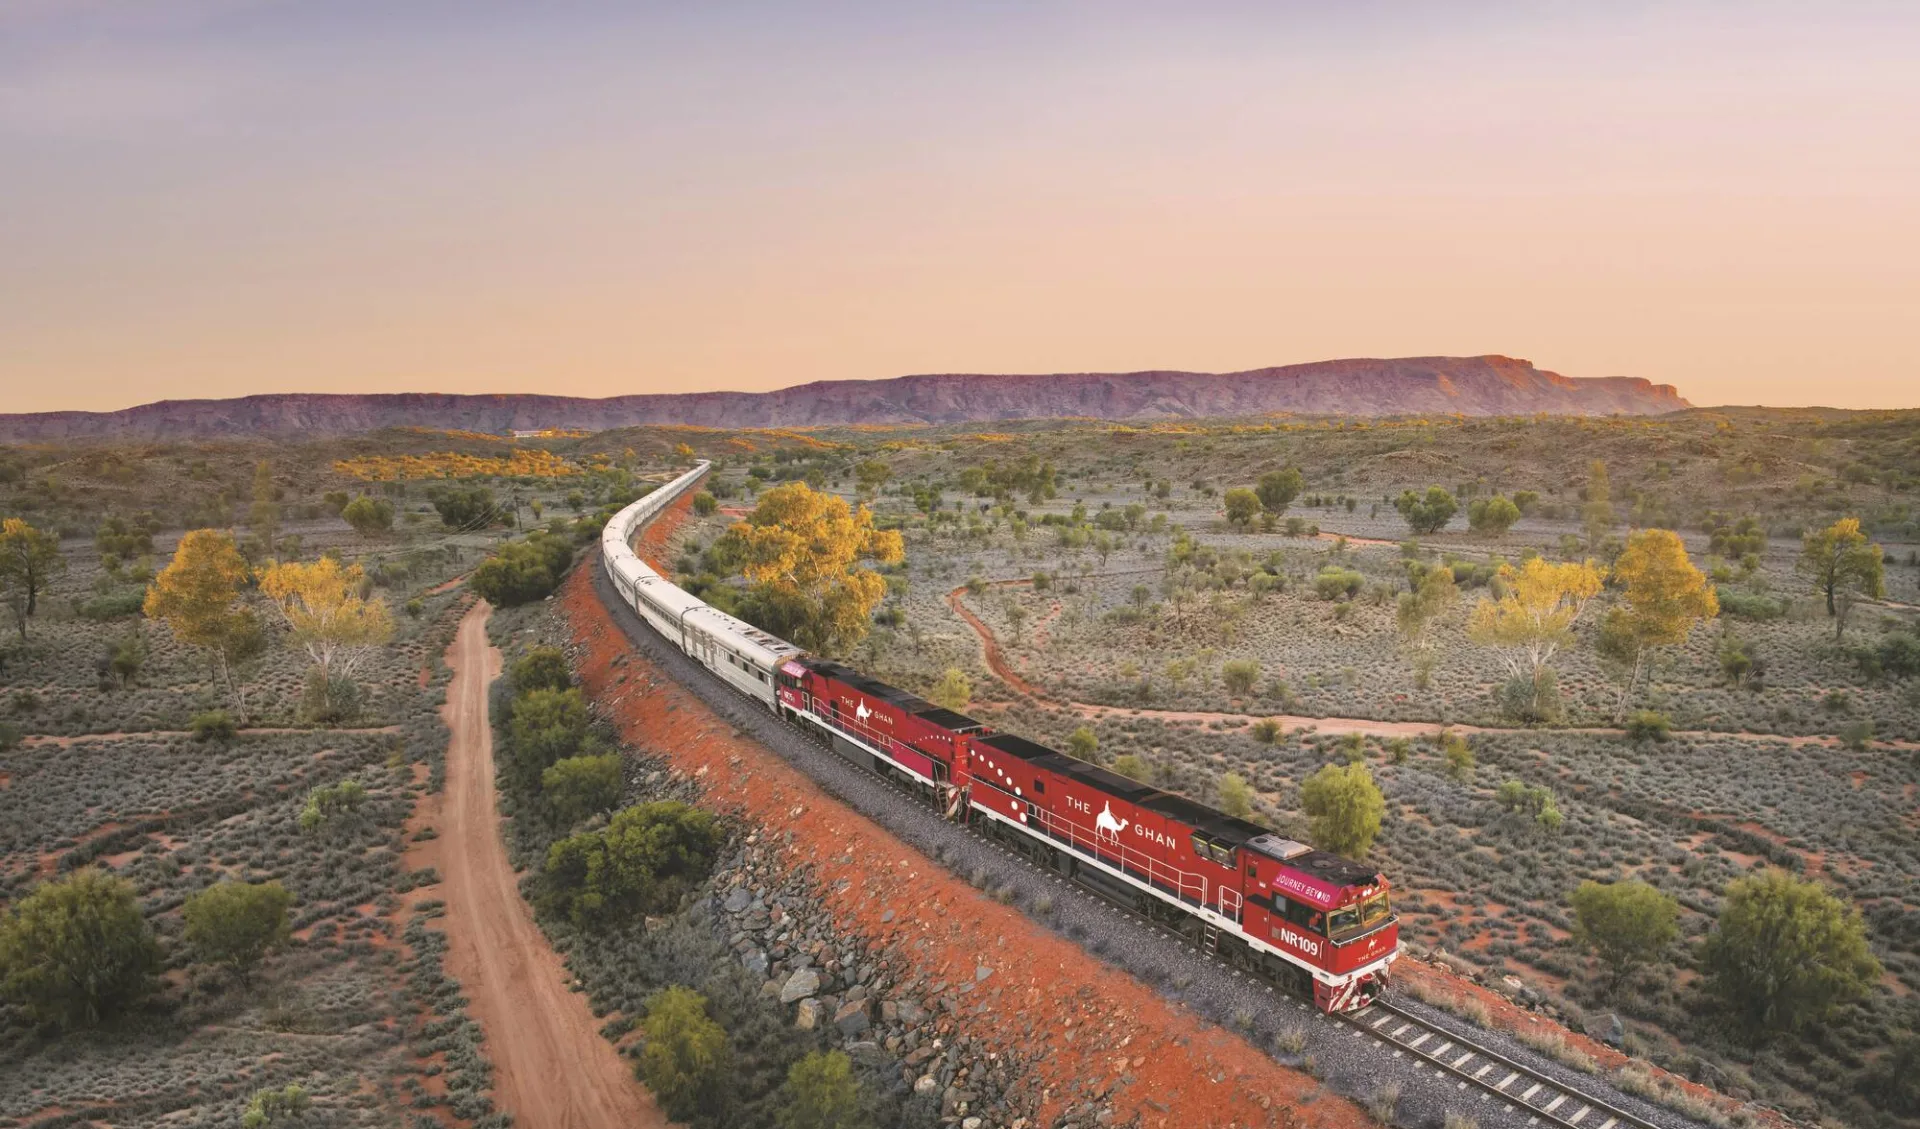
[[552, 1070]]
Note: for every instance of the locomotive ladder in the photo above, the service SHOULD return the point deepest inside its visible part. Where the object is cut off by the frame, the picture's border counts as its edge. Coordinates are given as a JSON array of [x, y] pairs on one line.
[[1534, 1092]]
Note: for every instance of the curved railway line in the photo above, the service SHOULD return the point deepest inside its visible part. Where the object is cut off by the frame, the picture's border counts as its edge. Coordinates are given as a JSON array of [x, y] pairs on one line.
[[1465, 1058]]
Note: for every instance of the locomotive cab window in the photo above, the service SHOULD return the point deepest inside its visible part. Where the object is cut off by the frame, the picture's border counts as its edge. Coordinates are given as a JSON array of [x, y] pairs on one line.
[[1351, 921]]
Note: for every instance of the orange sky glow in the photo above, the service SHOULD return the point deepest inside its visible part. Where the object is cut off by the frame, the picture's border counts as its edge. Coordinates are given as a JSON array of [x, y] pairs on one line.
[[223, 197]]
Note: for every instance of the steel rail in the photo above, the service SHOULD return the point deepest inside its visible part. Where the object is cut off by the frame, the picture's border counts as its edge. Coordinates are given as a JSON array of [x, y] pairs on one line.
[[1534, 1091]]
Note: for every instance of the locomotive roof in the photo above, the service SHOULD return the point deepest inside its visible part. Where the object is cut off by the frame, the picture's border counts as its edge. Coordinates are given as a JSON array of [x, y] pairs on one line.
[[1326, 866], [1216, 825], [872, 687], [949, 720]]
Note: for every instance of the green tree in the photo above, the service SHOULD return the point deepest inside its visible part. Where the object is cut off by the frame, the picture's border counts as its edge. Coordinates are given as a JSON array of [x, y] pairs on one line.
[[368, 515], [821, 1094], [1236, 795], [1429, 512], [643, 862], [1239, 675], [1083, 743], [1130, 765], [263, 517], [77, 950], [684, 1060], [1344, 808], [953, 691], [330, 803], [704, 504], [1493, 515], [521, 572], [464, 507], [541, 668], [29, 559], [1785, 954], [577, 787], [1597, 514], [1844, 566], [546, 726], [275, 1107], [1278, 488], [237, 923], [1242, 505], [1627, 924], [1431, 598]]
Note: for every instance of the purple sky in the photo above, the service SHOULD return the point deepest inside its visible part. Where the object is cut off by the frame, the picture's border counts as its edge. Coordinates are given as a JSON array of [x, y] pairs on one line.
[[219, 197]]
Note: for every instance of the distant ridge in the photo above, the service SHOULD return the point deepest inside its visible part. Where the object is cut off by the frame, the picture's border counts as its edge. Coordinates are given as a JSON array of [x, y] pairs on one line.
[[1475, 386]]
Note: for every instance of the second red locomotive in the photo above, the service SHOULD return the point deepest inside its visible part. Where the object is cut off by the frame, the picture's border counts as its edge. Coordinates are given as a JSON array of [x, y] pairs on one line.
[[1315, 920]]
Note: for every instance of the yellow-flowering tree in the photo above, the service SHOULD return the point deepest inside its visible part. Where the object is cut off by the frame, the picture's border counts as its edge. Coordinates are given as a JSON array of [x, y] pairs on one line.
[[325, 615], [1535, 618], [1665, 595], [802, 548], [198, 595]]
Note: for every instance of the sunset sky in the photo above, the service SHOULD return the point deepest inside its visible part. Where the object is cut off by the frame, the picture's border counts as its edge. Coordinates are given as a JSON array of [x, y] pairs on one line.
[[223, 197]]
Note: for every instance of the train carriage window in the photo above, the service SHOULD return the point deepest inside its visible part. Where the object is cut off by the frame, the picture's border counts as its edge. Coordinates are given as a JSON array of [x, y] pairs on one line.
[[1039, 785]]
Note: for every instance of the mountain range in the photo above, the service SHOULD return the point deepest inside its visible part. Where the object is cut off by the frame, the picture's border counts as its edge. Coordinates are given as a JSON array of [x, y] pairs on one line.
[[1474, 386]]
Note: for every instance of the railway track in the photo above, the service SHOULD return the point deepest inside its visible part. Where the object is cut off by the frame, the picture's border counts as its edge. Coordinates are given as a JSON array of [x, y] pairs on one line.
[[1460, 1058], [1542, 1097]]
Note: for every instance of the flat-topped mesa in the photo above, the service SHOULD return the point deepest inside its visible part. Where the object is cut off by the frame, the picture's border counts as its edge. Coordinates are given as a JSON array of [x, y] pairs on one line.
[[1473, 386]]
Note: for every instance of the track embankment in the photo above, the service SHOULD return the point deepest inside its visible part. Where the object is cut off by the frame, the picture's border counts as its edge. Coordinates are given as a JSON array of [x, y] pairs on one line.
[[552, 1070], [1096, 1034]]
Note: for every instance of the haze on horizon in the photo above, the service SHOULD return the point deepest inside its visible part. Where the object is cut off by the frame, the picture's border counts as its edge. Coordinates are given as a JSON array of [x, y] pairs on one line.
[[209, 198]]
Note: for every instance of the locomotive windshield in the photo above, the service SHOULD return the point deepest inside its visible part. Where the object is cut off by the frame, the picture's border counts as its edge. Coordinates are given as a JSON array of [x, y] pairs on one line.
[[1351, 921]]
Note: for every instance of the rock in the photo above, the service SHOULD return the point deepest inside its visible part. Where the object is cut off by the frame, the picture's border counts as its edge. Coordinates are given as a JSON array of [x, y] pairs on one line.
[[971, 1123], [754, 961], [853, 1018], [911, 1013], [803, 983], [981, 973], [925, 1084], [808, 1016], [738, 899], [1607, 1028]]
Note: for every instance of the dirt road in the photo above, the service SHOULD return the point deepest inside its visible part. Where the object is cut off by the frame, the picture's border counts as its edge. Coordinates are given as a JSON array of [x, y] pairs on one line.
[[1003, 669], [552, 1070]]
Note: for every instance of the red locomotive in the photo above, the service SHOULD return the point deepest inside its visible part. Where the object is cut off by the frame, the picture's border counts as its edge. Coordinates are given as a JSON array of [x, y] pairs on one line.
[[1318, 922]]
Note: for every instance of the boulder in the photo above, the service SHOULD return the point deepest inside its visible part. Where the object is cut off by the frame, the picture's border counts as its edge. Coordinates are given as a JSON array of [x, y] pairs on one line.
[[803, 983], [738, 899], [853, 1018], [808, 1016], [1606, 1028]]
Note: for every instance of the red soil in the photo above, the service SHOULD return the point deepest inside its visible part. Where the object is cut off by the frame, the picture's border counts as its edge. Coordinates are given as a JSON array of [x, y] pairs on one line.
[[1088, 1023], [552, 1070]]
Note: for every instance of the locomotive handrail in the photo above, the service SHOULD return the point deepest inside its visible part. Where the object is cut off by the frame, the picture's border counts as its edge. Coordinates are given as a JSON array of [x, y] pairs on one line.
[[1102, 849]]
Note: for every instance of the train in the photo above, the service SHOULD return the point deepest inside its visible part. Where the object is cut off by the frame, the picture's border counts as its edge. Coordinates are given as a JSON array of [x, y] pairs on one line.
[[1318, 923]]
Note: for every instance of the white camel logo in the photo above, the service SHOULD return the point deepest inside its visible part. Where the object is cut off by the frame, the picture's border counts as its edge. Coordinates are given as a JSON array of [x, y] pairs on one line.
[[861, 711], [1106, 824]]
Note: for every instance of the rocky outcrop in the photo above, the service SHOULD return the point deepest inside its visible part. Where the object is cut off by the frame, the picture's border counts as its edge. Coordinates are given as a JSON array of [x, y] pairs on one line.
[[873, 1002], [1477, 386]]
